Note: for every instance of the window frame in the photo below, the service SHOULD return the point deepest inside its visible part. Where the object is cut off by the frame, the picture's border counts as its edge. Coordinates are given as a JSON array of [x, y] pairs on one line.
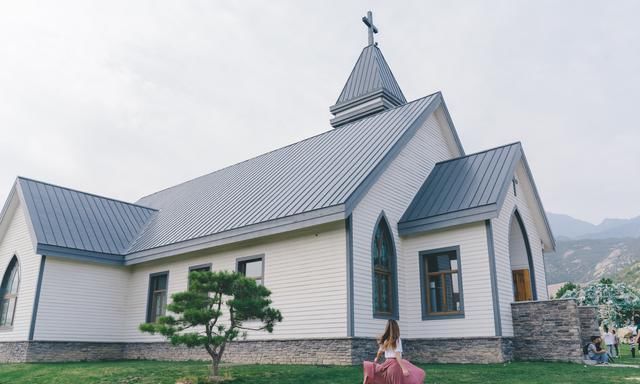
[[150, 295], [13, 263], [393, 271], [200, 266], [247, 259], [424, 294]]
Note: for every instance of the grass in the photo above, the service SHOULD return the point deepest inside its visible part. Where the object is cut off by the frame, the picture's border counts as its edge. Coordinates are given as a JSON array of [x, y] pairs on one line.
[[625, 356], [154, 372]]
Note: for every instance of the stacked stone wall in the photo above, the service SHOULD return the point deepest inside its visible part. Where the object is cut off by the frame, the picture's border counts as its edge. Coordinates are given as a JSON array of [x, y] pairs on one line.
[[339, 351], [543, 330], [55, 351], [547, 330], [13, 352], [588, 317], [307, 351], [480, 350]]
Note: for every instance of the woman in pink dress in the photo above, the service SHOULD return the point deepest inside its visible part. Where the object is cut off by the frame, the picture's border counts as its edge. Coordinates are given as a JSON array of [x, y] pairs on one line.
[[394, 370]]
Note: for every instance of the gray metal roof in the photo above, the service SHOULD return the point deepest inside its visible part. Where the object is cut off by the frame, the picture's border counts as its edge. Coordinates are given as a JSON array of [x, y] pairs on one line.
[[370, 74], [313, 174], [320, 177], [66, 218], [461, 190]]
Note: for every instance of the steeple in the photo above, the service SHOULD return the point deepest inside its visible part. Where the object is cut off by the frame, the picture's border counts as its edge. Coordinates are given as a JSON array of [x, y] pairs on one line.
[[371, 87]]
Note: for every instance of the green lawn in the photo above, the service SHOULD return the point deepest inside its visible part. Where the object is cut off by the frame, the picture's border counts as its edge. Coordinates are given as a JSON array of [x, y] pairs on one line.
[[625, 356], [147, 372]]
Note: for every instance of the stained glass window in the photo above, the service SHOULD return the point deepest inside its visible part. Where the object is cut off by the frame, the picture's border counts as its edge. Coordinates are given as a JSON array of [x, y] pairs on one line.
[[383, 270], [9, 293]]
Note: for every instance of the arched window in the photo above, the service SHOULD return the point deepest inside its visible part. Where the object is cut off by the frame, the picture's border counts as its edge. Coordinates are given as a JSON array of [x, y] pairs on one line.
[[9, 293], [384, 271]]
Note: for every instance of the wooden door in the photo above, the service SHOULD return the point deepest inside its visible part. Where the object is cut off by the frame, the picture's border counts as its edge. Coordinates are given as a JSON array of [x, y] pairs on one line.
[[522, 285]]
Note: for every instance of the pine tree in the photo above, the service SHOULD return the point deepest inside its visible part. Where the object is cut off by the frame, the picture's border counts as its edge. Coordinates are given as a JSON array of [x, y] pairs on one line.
[[196, 318]]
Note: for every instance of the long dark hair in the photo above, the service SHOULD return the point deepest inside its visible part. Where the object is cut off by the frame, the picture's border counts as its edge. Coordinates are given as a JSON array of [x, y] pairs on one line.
[[390, 336]]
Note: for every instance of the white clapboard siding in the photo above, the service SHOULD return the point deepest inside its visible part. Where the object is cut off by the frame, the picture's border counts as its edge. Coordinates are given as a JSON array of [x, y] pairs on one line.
[[305, 271], [392, 193], [81, 301], [17, 241], [501, 225], [476, 284]]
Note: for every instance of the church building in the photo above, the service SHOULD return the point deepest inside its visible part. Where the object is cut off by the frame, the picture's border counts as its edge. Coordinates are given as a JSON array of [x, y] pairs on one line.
[[383, 216]]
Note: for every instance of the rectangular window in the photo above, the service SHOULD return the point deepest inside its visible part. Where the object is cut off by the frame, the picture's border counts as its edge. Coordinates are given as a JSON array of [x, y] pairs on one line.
[[441, 283], [252, 267], [157, 302], [200, 268]]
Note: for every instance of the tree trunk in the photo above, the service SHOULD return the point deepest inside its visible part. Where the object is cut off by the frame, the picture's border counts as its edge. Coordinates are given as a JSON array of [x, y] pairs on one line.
[[216, 358], [215, 368]]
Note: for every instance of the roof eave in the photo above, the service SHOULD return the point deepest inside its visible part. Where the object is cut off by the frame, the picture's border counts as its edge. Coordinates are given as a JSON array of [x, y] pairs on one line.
[[551, 239], [504, 188], [79, 254], [432, 223], [28, 212], [349, 117], [380, 92], [250, 232], [454, 132], [7, 209]]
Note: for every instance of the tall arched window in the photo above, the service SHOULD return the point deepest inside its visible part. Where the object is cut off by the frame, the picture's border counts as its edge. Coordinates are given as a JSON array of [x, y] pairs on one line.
[[9, 293], [384, 271]]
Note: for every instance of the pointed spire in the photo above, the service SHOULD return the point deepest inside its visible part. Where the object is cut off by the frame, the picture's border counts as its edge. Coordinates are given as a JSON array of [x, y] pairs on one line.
[[371, 87]]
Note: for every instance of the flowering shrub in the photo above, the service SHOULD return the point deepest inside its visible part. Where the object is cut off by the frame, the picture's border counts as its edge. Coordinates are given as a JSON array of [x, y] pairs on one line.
[[617, 303]]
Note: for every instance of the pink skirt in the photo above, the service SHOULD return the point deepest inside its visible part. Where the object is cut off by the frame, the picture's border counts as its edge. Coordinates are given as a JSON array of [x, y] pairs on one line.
[[390, 372]]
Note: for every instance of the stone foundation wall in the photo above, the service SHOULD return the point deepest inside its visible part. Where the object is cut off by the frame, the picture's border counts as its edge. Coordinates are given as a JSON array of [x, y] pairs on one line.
[[363, 349], [552, 330], [308, 351], [479, 350], [13, 352], [588, 317], [339, 351], [54, 351], [547, 330]]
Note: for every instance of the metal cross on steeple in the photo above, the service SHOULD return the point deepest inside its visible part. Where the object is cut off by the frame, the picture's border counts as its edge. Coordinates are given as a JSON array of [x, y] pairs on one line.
[[368, 21]]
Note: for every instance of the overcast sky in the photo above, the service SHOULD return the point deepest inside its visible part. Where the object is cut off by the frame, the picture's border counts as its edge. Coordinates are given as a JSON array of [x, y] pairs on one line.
[[123, 98]]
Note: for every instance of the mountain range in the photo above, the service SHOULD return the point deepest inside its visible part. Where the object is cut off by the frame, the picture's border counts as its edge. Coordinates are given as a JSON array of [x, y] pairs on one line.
[[567, 227], [586, 252]]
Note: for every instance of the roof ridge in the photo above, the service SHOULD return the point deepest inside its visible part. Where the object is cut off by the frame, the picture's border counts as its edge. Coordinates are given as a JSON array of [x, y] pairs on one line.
[[141, 232], [85, 193], [346, 126], [480, 152]]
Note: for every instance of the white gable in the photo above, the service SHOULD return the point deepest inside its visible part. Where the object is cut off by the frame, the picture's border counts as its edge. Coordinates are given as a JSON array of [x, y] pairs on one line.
[[17, 241], [391, 194]]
